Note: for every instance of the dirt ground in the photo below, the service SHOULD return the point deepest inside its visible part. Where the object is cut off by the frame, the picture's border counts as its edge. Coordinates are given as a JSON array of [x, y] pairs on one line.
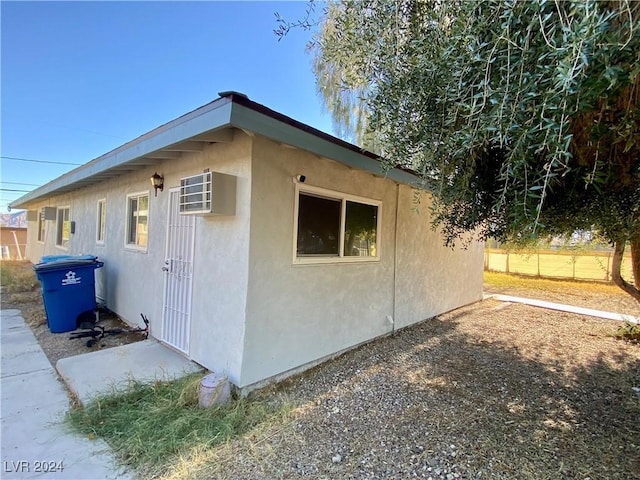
[[491, 390], [59, 345]]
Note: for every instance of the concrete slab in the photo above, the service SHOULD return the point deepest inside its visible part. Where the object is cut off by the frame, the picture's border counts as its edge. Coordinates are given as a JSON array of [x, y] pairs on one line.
[[20, 355], [22, 394], [11, 319], [35, 441], [107, 371]]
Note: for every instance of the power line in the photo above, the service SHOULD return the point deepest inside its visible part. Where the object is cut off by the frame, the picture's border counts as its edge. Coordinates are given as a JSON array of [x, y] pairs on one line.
[[19, 183], [38, 161], [12, 190]]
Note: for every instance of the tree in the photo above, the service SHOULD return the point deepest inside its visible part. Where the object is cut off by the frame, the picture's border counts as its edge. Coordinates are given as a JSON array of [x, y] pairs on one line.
[[521, 117]]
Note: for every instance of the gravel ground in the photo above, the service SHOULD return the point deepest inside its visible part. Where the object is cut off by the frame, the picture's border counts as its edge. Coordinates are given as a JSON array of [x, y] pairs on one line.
[[492, 390], [58, 345]]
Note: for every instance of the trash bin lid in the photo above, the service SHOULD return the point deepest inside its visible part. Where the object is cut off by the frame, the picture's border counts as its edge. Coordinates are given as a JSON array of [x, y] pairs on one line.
[[68, 263], [55, 258]]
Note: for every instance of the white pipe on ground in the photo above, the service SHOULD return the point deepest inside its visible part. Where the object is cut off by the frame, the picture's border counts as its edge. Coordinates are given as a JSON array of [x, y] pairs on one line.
[[566, 308]]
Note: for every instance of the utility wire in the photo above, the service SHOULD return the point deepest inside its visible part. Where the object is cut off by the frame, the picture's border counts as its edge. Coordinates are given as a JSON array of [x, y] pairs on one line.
[[38, 161], [19, 183], [12, 190]]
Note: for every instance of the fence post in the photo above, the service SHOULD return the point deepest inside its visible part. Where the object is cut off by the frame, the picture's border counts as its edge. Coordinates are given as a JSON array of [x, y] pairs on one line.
[[15, 239], [507, 264]]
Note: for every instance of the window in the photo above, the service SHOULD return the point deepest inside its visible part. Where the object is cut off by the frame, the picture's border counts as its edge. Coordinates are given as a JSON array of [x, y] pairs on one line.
[[137, 220], [101, 223], [41, 225], [63, 227], [335, 227]]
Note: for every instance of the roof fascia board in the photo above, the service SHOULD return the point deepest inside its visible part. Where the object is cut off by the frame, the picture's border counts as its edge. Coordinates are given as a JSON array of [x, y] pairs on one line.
[[249, 119], [212, 116]]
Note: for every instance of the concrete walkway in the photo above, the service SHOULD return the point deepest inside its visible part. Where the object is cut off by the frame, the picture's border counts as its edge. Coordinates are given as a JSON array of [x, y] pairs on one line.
[[35, 442], [111, 370]]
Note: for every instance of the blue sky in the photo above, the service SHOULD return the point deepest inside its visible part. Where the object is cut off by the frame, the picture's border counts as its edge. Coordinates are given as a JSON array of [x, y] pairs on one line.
[[81, 78]]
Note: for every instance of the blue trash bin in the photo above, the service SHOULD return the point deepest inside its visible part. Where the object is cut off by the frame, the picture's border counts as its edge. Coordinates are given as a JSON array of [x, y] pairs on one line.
[[68, 289]]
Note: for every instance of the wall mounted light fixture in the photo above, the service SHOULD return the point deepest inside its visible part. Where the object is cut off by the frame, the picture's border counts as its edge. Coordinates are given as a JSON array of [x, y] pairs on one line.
[[158, 182]]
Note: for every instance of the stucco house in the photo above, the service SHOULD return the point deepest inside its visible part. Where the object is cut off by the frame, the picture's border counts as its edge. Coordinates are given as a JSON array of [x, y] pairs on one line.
[[269, 247]]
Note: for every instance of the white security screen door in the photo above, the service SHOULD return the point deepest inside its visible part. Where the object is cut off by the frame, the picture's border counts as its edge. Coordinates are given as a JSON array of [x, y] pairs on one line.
[[178, 268]]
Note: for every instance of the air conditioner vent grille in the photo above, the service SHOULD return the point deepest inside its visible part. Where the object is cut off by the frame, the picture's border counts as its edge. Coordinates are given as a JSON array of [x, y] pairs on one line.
[[195, 194]]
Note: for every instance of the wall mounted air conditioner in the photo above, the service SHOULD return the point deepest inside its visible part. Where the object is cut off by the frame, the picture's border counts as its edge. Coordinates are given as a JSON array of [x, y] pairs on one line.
[[208, 193], [49, 213]]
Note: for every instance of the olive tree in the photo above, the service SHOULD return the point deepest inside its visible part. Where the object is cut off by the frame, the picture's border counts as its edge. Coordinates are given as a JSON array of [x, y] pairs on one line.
[[521, 117]]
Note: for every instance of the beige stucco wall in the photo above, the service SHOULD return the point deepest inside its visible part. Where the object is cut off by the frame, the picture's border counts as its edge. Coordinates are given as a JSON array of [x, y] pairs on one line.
[[256, 314], [431, 278], [222, 265], [132, 282], [129, 279], [298, 314]]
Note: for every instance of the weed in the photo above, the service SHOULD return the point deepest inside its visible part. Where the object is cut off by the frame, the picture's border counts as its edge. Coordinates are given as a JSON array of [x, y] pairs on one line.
[[629, 332], [17, 276], [152, 425]]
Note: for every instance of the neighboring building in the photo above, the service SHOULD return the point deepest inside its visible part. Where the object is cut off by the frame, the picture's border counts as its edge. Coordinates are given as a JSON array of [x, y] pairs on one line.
[[13, 235], [271, 247]]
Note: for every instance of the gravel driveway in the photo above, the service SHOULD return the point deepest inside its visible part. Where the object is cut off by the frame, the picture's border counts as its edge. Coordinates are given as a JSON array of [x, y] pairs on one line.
[[492, 390]]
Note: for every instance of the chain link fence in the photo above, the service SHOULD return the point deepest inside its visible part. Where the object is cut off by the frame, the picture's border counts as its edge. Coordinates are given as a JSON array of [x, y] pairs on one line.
[[562, 264]]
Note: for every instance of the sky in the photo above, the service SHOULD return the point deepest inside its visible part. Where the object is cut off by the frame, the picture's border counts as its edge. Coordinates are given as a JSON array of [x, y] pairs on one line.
[[79, 79]]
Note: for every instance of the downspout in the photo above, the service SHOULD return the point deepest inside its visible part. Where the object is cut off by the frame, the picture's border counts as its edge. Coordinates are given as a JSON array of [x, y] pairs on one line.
[[395, 261]]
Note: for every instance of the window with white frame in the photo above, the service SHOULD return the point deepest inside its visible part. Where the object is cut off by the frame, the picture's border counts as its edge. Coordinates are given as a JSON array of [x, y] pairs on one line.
[[63, 227], [331, 226], [41, 224], [101, 223], [137, 220]]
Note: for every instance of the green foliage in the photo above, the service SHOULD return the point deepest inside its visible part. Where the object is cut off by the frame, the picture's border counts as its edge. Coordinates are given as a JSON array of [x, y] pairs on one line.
[[521, 117], [152, 424], [629, 332]]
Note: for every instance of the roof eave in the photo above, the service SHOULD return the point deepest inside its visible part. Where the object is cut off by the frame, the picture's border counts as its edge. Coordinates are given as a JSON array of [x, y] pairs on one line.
[[248, 115], [213, 116], [230, 110]]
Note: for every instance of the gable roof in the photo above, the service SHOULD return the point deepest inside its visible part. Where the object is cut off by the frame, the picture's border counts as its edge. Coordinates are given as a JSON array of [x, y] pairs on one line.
[[212, 123]]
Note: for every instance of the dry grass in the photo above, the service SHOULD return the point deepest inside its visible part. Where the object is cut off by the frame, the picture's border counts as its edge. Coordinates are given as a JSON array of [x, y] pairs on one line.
[[596, 295], [17, 276], [151, 427], [20, 289], [492, 390], [503, 280]]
